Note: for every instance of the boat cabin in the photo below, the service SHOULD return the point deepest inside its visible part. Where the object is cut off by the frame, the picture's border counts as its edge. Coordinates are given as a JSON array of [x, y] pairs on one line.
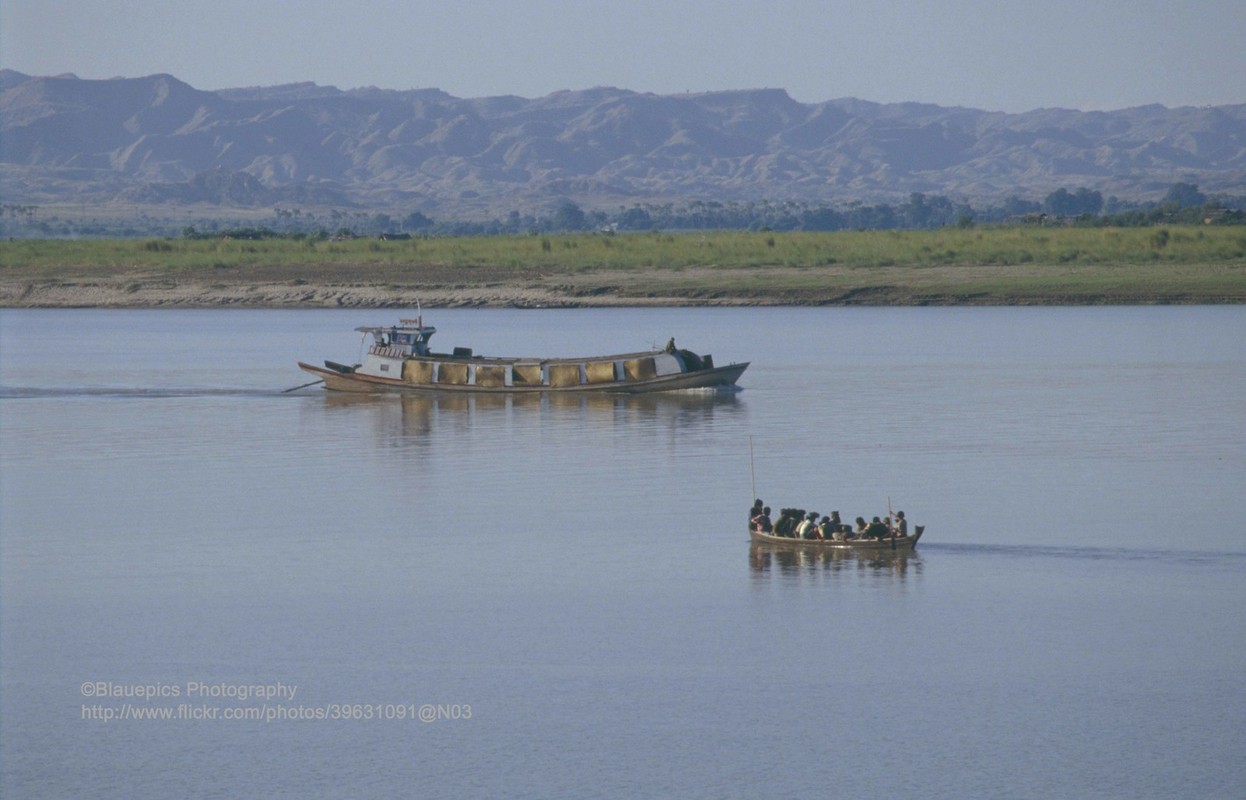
[[410, 338]]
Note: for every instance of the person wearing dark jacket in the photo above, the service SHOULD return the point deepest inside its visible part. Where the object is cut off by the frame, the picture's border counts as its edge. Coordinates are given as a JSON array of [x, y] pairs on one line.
[[876, 529]]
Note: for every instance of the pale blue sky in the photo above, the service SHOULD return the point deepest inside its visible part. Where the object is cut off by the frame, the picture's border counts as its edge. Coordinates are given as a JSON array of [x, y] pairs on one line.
[[1003, 55]]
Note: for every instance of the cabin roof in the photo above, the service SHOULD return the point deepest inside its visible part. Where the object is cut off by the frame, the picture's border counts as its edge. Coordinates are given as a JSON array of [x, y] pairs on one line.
[[426, 329]]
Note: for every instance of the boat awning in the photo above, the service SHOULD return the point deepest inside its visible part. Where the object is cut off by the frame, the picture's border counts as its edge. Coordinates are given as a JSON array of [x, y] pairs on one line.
[[426, 330]]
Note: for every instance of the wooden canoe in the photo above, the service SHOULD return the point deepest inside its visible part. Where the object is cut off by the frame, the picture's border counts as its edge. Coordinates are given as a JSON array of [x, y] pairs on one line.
[[886, 543]]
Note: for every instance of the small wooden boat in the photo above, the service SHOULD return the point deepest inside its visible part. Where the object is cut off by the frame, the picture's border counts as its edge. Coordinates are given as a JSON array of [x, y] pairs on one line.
[[399, 360], [886, 543]]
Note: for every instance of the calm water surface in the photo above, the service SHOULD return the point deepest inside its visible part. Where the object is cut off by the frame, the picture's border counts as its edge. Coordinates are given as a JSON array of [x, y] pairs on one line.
[[567, 584]]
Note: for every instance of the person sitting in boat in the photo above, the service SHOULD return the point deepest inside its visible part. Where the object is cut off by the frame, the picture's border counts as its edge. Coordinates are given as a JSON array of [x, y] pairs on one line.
[[789, 518], [670, 346], [902, 524], [755, 510], [808, 527], [877, 529], [859, 532], [825, 529], [761, 522], [839, 531]]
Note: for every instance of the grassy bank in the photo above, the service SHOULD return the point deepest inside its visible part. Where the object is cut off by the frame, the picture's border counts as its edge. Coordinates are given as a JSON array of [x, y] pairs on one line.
[[577, 252], [985, 265]]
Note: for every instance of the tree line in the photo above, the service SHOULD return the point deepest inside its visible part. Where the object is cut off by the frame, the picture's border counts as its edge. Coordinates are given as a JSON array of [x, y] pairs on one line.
[[1183, 203]]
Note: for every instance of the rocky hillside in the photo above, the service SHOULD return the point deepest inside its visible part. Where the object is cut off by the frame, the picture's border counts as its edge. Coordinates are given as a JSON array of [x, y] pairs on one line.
[[156, 140]]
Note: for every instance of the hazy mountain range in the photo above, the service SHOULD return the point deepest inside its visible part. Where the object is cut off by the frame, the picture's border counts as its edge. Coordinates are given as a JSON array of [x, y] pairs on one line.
[[157, 140]]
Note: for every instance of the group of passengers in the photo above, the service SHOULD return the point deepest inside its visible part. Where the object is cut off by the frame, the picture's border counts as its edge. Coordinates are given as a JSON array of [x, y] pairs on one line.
[[795, 523]]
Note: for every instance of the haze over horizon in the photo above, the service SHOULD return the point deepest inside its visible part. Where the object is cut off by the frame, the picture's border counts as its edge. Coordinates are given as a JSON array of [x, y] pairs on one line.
[[997, 56]]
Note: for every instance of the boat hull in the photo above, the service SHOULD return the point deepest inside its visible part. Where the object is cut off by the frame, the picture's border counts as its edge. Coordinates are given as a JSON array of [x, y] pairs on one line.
[[887, 544], [350, 381]]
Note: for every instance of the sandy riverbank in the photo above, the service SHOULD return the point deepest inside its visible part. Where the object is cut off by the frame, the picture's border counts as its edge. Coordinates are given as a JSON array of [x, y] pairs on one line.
[[688, 287], [191, 294], [166, 293]]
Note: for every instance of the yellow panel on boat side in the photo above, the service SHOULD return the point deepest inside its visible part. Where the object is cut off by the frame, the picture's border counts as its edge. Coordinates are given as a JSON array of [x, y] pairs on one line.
[[639, 369], [491, 377], [417, 372], [564, 375], [600, 371], [454, 374], [526, 375]]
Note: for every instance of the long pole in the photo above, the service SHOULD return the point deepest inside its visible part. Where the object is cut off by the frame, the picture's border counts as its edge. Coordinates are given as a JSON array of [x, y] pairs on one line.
[[302, 386], [891, 524], [752, 476]]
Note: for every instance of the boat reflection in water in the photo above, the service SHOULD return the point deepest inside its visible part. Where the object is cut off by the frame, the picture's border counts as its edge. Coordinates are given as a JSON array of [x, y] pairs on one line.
[[409, 419], [764, 559]]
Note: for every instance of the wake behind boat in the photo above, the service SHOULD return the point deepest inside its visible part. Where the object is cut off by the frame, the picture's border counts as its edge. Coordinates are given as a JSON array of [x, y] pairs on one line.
[[399, 360]]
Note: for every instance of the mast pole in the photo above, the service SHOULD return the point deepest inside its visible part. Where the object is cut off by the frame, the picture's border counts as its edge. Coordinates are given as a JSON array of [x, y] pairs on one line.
[[751, 474]]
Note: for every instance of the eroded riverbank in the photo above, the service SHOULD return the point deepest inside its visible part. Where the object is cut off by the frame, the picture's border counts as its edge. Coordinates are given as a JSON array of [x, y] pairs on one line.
[[699, 287]]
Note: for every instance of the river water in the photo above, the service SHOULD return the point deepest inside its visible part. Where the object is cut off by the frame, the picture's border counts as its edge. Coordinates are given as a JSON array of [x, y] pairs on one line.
[[565, 588]]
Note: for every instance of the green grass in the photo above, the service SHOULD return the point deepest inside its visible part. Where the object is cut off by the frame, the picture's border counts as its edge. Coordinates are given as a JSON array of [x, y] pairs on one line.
[[1018, 264], [581, 252]]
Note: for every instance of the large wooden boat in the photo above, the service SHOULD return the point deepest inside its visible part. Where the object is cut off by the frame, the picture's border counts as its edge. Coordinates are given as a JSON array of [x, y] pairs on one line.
[[886, 543], [399, 360]]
